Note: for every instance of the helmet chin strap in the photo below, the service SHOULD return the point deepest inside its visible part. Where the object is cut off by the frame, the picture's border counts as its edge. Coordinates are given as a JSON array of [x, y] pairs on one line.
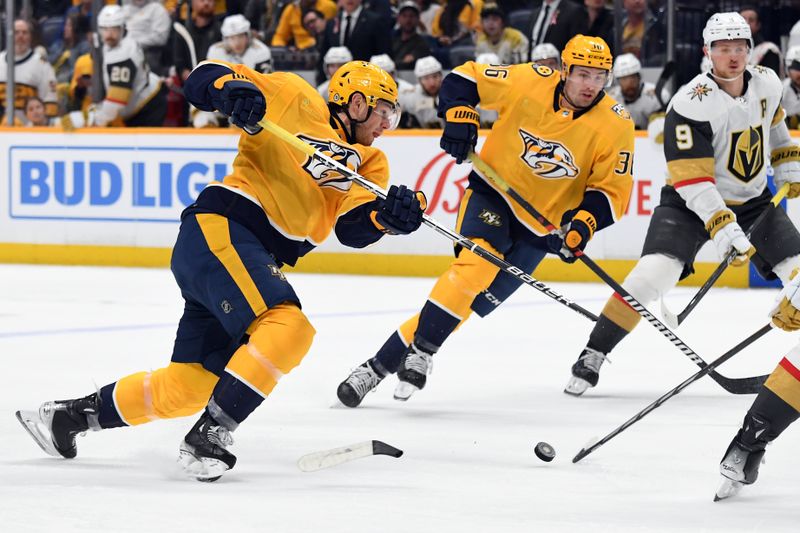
[[725, 79]]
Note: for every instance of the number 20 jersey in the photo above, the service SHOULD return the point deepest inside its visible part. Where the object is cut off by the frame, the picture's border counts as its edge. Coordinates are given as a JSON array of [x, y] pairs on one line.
[[712, 136]]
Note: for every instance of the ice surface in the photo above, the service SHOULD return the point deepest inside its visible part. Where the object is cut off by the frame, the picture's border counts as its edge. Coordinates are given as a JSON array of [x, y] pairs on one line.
[[468, 437]]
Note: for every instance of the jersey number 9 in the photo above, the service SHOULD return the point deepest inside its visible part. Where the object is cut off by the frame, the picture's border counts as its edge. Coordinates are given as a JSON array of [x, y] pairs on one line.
[[683, 137]]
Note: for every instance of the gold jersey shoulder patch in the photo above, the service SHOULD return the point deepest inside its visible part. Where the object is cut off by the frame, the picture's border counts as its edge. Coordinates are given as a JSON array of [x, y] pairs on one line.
[[620, 110]]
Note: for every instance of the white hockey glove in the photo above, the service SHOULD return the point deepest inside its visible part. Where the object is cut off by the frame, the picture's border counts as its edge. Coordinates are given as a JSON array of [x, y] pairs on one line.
[[728, 235], [786, 164], [785, 311], [205, 119], [78, 119], [655, 128]]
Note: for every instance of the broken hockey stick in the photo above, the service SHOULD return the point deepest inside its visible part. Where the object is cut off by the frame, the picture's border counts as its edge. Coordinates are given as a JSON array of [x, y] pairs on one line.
[[660, 401], [733, 385], [674, 320], [430, 222], [327, 458]]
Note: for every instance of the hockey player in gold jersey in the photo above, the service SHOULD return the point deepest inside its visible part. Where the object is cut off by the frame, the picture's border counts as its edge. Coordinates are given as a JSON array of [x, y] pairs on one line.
[[563, 145], [242, 327]]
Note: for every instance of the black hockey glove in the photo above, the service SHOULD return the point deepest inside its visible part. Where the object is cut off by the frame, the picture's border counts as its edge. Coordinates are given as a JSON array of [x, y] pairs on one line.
[[239, 98], [400, 213], [460, 132], [573, 236]]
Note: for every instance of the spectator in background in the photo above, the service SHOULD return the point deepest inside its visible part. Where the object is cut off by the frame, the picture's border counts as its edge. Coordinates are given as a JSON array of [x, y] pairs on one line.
[[601, 21], [510, 45], [33, 75], [76, 44], [148, 23], [791, 87], [546, 55], [79, 97], [191, 40], [292, 31], [360, 30], [765, 53], [314, 23], [82, 7], [334, 58], [455, 22], [427, 12], [556, 22], [638, 97], [421, 104], [407, 44], [34, 112]]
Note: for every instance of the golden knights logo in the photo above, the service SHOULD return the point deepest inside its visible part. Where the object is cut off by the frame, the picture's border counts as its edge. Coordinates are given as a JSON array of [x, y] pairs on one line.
[[699, 91], [492, 219], [549, 159], [325, 176], [746, 155]]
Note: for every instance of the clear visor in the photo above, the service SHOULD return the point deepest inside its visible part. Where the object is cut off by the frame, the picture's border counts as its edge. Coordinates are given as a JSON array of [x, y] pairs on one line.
[[594, 77], [388, 112]]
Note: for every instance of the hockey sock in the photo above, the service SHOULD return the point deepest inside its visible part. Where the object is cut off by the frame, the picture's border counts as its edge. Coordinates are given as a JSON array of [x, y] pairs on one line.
[[233, 401], [435, 325], [779, 399], [607, 333], [388, 357]]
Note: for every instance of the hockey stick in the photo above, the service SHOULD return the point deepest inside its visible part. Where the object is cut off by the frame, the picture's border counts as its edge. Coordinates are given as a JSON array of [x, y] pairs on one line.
[[328, 458], [733, 385], [644, 412], [666, 73], [674, 320], [430, 222]]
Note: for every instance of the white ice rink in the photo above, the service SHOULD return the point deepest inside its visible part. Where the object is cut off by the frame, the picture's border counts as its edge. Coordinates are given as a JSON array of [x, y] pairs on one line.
[[468, 437]]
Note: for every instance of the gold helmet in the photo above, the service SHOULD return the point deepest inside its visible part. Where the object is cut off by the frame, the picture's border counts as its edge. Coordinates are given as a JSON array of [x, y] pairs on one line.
[[585, 51], [365, 78]]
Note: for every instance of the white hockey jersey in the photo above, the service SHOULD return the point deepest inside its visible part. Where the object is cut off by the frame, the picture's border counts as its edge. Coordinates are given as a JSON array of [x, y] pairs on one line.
[[128, 82], [422, 106], [791, 103], [711, 136], [644, 106], [33, 76], [256, 56]]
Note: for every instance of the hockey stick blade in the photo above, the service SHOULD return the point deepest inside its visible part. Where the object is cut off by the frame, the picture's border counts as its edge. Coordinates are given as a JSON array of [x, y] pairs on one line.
[[336, 456]]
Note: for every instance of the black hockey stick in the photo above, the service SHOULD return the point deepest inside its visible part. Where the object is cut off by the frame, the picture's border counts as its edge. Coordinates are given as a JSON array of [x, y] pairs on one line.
[[430, 222], [733, 385], [666, 73], [674, 320], [644, 412]]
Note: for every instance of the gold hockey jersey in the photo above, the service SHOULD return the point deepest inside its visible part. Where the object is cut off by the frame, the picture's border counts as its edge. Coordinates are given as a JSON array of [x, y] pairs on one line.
[[549, 155]]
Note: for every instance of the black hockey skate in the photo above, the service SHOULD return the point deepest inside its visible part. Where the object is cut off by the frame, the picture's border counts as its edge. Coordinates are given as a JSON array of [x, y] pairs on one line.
[[743, 457], [361, 380], [585, 371], [203, 453], [57, 423], [413, 372]]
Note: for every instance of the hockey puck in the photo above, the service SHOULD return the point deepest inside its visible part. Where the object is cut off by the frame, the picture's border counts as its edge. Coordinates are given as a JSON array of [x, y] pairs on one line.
[[545, 452]]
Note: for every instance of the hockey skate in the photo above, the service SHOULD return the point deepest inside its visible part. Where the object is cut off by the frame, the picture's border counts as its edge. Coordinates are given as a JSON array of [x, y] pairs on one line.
[[203, 453], [414, 369], [739, 467], [56, 424], [585, 371], [361, 380]]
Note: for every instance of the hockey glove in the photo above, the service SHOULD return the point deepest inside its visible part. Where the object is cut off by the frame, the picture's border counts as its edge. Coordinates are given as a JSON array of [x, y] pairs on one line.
[[785, 312], [238, 98], [400, 213], [786, 163], [573, 236], [728, 236], [460, 132]]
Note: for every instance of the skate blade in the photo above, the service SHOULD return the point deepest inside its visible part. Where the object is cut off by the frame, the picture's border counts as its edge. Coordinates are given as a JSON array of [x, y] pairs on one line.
[[576, 386], [727, 489], [403, 391], [38, 431], [203, 469]]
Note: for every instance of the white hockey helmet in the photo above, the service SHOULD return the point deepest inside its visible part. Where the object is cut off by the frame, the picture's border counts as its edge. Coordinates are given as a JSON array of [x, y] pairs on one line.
[[544, 51], [111, 16], [726, 27], [337, 55], [385, 62], [235, 25], [425, 66], [626, 65], [488, 58], [792, 55]]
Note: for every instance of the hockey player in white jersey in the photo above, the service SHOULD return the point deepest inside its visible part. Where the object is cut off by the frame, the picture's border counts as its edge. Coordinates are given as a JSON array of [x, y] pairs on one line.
[[546, 55], [33, 75], [639, 97], [133, 93], [237, 46], [421, 104], [385, 62], [719, 133], [791, 88], [335, 57]]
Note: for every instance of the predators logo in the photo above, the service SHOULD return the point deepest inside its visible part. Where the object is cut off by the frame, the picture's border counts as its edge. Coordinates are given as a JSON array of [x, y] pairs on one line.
[[324, 176], [549, 159], [746, 156]]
